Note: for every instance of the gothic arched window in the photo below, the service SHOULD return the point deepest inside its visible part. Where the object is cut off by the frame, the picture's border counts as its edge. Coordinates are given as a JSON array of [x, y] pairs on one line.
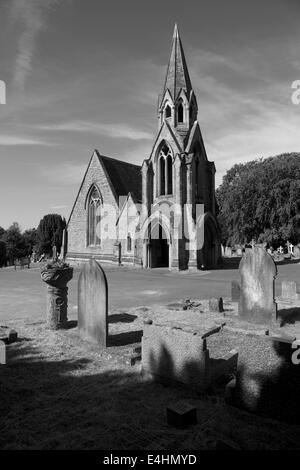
[[168, 111], [170, 175], [165, 168], [197, 182], [162, 175], [180, 112], [94, 217]]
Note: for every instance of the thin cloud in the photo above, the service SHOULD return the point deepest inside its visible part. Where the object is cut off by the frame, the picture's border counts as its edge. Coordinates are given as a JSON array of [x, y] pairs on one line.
[[31, 14], [117, 131], [63, 206], [12, 140]]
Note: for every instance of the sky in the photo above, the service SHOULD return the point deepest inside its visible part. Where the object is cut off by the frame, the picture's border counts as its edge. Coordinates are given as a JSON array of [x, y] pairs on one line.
[[84, 75]]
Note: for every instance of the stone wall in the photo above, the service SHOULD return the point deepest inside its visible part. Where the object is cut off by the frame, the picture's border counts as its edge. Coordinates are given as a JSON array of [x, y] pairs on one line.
[[77, 226]]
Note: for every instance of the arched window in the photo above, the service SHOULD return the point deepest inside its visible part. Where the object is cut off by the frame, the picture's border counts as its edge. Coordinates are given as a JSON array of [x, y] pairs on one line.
[[197, 182], [170, 176], [94, 216], [180, 112], [168, 111], [162, 175], [129, 245], [165, 169]]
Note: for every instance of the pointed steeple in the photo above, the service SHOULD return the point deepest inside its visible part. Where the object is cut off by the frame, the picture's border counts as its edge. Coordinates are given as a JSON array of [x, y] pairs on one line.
[[177, 76]]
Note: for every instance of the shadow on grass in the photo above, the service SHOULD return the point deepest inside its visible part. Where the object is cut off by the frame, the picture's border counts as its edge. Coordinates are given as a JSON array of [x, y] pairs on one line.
[[287, 261], [121, 318], [90, 403], [268, 382], [229, 263], [70, 324], [288, 316], [83, 404], [123, 339]]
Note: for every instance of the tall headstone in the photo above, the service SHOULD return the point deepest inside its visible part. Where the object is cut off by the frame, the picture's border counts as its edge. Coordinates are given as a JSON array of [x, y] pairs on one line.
[[228, 251], [258, 272], [93, 304], [297, 251]]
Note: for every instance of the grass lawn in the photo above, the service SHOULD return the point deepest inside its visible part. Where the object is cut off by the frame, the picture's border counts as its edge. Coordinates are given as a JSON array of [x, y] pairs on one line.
[[59, 392]]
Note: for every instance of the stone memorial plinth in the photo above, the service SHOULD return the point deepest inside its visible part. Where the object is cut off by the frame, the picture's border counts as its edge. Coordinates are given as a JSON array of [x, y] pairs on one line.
[[93, 304], [56, 277], [171, 355], [258, 271]]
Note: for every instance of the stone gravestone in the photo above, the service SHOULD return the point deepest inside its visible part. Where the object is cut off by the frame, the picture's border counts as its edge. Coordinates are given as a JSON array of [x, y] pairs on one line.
[[289, 290], [297, 251], [228, 251], [235, 291], [216, 305], [258, 272], [93, 304], [2, 352]]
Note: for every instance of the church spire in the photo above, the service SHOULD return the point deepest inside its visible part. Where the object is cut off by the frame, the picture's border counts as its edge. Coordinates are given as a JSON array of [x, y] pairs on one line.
[[177, 76]]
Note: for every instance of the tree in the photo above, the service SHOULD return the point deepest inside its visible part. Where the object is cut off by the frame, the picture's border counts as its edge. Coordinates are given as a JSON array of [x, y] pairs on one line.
[[15, 246], [261, 200], [31, 239], [50, 233], [2, 254], [2, 232]]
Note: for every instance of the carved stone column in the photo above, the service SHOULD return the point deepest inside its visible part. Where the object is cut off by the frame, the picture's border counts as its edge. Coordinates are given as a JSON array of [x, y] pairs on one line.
[[56, 279]]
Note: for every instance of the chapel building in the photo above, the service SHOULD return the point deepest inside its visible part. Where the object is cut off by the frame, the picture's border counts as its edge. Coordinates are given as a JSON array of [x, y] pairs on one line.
[[162, 214]]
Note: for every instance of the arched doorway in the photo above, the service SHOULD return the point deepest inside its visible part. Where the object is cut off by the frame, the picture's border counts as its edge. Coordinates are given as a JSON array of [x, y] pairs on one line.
[[209, 248], [158, 248], [209, 255]]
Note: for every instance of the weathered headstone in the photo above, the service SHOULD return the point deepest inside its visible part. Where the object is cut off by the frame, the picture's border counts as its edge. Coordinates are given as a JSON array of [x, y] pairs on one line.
[[216, 305], [93, 304], [297, 251], [235, 291], [289, 290], [2, 352], [258, 272], [228, 251]]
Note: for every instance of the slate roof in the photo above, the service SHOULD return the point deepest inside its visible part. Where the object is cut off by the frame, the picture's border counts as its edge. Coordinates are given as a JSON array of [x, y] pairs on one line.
[[125, 177]]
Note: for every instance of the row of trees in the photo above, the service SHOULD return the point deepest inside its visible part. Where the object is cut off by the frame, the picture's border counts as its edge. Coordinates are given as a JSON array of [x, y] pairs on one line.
[[15, 245], [260, 200]]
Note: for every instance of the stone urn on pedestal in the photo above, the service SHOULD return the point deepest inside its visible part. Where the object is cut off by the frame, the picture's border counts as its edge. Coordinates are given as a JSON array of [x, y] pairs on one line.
[[56, 275]]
